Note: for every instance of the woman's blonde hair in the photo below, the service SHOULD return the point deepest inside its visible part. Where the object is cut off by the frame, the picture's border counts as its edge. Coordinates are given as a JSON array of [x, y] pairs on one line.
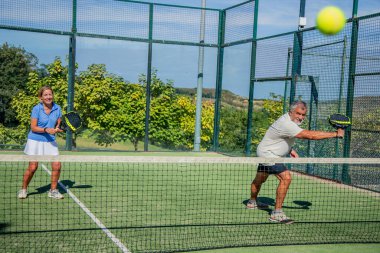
[[42, 89]]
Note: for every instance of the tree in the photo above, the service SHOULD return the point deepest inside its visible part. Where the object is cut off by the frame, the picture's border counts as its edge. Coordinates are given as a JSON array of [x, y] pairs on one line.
[[164, 122], [172, 117], [187, 107], [233, 128], [112, 108], [15, 66]]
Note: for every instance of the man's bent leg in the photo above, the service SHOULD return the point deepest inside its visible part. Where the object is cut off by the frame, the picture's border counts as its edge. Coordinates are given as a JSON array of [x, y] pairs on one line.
[[260, 178], [285, 180]]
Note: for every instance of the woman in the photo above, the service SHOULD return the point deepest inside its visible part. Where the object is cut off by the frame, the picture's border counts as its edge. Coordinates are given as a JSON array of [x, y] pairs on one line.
[[45, 119]]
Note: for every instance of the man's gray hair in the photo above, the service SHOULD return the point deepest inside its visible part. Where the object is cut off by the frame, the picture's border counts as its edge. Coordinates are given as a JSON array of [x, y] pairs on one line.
[[295, 104]]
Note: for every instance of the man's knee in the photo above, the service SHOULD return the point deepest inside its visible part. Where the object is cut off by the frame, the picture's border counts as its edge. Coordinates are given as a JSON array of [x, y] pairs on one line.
[[260, 178], [285, 177]]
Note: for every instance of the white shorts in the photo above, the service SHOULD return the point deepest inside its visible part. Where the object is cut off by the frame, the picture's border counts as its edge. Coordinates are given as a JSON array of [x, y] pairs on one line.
[[33, 147]]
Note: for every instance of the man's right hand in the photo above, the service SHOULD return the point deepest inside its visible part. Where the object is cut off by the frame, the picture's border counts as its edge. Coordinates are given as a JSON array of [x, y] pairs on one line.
[[340, 133]]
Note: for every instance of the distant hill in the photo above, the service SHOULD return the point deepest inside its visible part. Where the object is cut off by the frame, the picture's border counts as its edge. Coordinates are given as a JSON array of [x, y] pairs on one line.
[[228, 97]]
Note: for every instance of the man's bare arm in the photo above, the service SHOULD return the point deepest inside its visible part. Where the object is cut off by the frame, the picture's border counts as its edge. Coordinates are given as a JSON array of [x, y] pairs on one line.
[[319, 135]]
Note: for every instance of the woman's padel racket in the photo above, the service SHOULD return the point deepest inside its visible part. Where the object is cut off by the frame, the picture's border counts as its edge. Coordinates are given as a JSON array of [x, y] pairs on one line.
[[71, 121]]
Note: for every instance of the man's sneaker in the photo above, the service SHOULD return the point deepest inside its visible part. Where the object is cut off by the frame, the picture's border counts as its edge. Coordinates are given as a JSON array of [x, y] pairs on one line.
[[55, 194], [279, 216], [22, 194], [253, 204]]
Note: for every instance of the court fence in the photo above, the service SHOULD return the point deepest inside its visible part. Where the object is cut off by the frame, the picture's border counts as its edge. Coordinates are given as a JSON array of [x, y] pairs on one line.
[[331, 73]]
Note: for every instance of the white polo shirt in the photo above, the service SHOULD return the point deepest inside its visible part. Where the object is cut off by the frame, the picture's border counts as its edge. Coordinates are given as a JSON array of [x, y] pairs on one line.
[[279, 138]]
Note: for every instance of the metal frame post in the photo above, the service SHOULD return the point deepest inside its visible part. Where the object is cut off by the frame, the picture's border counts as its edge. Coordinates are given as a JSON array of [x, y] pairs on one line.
[[148, 78], [198, 112], [219, 79], [297, 53], [71, 74], [350, 89], [252, 82], [284, 107]]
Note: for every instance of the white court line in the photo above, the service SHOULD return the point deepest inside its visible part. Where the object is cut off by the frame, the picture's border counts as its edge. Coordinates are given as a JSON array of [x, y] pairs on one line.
[[92, 216]]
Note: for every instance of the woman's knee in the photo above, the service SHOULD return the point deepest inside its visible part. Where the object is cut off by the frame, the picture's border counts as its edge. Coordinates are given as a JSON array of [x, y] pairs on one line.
[[56, 166], [33, 166]]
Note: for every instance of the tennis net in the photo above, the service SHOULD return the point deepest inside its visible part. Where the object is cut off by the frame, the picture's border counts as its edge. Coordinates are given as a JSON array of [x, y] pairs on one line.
[[171, 204]]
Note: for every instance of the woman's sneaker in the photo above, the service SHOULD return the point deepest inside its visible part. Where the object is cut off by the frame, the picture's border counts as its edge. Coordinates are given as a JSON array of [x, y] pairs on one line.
[[253, 204], [279, 216], [55, 194], [22, 194]]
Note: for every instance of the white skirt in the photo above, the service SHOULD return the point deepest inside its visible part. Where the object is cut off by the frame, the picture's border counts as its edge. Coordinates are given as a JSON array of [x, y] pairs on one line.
[[33, 147]]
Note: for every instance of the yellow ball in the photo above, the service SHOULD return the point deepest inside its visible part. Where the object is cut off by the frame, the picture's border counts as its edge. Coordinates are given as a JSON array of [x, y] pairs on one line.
[[330, 20]]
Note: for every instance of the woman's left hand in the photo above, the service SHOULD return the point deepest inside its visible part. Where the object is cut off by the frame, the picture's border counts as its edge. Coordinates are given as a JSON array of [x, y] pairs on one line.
[[57, 130], [53, 130]]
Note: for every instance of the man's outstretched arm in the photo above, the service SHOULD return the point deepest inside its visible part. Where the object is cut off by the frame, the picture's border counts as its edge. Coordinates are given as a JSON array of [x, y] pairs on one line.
[[319, 135]]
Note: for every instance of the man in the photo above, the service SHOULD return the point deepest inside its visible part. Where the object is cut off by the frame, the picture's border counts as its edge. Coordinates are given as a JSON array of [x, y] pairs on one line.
[[278, 142]]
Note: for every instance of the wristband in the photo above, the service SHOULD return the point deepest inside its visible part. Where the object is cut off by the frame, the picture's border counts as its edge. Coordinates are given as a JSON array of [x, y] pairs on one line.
[[45, 129]]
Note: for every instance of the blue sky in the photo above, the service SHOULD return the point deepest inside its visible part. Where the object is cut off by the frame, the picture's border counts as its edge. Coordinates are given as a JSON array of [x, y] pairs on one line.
[[177, 63]]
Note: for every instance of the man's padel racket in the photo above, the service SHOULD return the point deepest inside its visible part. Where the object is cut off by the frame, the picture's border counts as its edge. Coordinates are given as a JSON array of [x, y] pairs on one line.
[[339, 121], [71, 121]]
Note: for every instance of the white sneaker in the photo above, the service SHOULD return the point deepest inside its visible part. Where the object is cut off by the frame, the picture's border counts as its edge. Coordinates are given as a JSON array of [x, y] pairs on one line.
[[22, 194], [253, 204], [279, 216], [55, 194]]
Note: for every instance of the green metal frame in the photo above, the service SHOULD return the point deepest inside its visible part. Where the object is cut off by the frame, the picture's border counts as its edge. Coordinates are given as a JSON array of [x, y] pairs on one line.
[[312, 123], [295, 71], [297, 61], [351, 86], [219, 79], [71, 74], [284, 104], [170, 5], [252, 81], [148, 78], [341, 84]]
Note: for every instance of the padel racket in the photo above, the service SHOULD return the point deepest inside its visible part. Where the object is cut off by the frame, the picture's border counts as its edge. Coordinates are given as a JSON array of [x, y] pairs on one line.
[[339, 121], [72, 121]]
